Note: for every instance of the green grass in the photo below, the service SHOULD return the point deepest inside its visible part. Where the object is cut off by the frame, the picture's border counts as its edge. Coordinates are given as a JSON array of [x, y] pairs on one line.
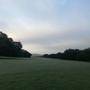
[[43, 74]]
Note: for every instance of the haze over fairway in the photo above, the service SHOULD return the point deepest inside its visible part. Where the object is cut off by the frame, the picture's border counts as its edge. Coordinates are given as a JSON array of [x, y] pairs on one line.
[[47, 26]]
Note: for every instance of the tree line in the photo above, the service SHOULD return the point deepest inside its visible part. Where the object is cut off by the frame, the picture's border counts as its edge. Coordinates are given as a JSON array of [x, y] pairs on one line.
[[71, 54], [11, 48]]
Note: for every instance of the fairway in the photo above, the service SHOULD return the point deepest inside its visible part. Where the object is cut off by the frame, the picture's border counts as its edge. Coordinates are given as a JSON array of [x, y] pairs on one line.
[[43, 74]]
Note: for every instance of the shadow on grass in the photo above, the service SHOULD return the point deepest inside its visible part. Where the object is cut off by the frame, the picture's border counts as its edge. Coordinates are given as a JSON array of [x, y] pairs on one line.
[[12, 58]]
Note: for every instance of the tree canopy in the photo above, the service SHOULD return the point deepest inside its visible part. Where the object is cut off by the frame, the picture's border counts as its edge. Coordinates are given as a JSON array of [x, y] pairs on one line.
[[11, 48], [71, 54]]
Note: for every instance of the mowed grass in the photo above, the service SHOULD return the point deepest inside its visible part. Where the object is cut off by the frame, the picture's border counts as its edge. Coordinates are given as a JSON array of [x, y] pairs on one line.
[[43, 74]]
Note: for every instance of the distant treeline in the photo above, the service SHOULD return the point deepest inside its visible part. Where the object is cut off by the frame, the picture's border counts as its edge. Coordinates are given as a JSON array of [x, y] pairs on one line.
[[11, 48], [71, 54]]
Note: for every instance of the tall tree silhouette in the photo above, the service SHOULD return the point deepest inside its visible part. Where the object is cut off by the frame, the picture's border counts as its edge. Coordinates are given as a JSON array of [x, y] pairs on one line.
[[8, 47]]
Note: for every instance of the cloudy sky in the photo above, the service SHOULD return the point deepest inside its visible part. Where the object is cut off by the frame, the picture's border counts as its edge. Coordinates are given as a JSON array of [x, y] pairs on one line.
[[47, 26]]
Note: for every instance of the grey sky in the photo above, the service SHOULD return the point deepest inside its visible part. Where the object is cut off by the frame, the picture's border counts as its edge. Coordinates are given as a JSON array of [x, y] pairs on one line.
[[47, 26]]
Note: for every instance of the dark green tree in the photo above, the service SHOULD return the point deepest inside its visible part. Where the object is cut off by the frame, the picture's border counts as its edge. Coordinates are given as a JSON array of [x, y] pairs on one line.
[[11, 48]]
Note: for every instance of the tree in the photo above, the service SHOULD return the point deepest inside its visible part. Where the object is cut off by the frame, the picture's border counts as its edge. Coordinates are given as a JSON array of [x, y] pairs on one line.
[[72, 54], [11, 48]]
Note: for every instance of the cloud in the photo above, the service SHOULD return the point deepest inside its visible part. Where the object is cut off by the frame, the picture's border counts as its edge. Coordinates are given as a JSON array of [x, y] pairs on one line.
[[36, 48], [56, 47], [45, 26]]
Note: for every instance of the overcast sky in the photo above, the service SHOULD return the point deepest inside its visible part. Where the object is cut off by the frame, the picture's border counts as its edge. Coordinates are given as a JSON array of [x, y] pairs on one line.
[[47, 26]]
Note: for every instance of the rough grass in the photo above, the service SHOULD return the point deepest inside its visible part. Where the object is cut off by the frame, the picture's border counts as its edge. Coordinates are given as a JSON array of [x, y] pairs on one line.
[[44, 74]]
